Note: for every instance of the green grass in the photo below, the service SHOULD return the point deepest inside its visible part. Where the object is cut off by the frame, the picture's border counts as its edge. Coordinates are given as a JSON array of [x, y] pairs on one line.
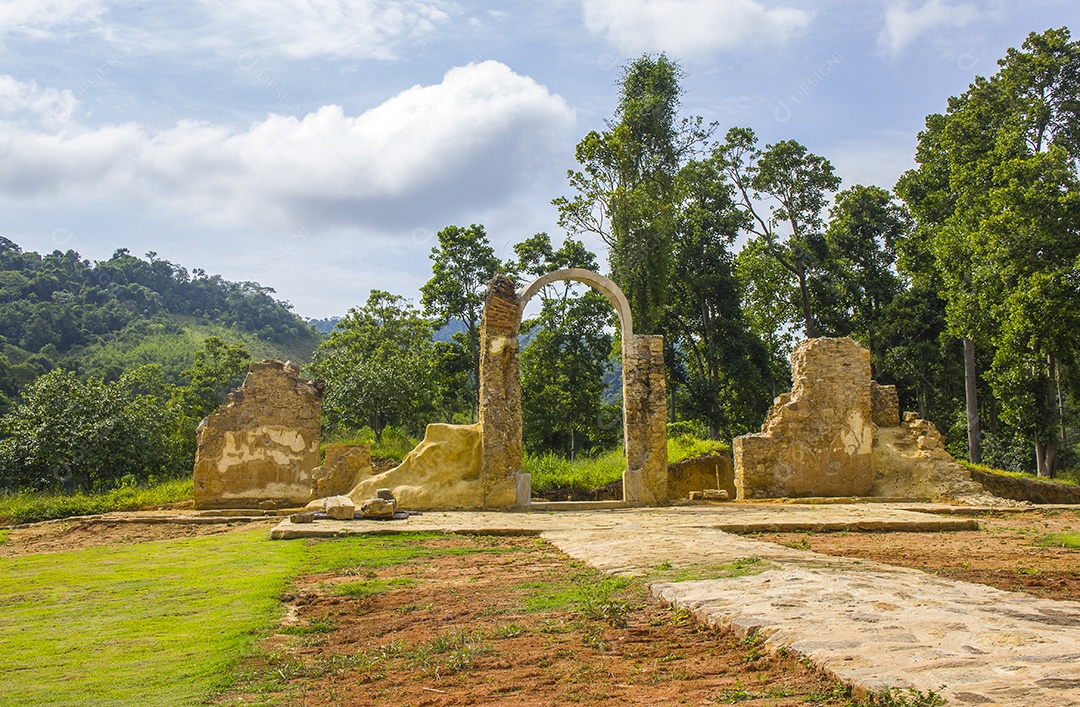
[[588, 592], [550, 471], [687, 447], [1069, 540], [395, 443], [741, 567], [159, 623], [378, 551], [1065, 478], [4, 536], [16, 508]]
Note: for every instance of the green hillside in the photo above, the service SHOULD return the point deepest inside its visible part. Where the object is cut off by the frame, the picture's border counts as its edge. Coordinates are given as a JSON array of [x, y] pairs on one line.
[[100, 319]]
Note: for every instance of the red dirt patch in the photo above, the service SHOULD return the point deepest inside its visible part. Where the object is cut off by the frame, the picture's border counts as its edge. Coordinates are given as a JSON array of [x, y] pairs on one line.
[[495, 628], [1006, 552]]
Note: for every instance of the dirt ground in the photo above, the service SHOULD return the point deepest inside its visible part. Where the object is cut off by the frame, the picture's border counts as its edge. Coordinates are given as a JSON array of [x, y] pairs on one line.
[[1008, 551], [486, 620]]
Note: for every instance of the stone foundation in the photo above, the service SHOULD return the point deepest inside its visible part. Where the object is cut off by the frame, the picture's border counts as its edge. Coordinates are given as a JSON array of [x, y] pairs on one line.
[[700, 473], [262, 446]]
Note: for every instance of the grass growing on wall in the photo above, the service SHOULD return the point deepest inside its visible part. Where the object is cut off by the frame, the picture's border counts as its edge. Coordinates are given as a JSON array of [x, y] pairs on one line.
[[687, 447], [16, 508], [160, 623]]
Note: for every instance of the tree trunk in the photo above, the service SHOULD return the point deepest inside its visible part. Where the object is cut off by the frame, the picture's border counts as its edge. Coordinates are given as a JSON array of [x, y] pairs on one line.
[[808, 318], [1046, 452], [972, 398]]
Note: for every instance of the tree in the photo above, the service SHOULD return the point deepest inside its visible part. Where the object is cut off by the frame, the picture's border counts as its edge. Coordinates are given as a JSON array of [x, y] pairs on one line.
[[462, 265], [864, 226], [89, 434], [998, 181], [727, 365], [563, 363], [796, 181], [376, 364], [625, 190]]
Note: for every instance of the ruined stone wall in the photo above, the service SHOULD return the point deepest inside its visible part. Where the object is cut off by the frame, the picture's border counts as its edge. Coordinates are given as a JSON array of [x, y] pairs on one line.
[[700, 473], [645, 418], [500, 395], [343, 466], [817, 440], [263, 444]]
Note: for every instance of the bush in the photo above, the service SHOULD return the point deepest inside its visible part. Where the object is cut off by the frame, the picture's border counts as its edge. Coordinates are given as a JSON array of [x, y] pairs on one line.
[[688, 428]]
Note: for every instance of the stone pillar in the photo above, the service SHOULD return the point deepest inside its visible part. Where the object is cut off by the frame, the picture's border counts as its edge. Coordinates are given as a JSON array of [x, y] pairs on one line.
[[500, 396], [645, 421]]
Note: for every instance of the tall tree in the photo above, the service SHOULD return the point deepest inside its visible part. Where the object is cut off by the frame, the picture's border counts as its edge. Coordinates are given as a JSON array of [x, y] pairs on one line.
[[625, 190], [795, 183], [1008, 151], [727, 365], [376, 364], [462, 265], [865, 225]]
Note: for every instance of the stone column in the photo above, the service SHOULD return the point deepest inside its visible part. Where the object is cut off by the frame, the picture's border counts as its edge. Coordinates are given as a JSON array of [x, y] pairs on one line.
[[645, 421], [500, 396]]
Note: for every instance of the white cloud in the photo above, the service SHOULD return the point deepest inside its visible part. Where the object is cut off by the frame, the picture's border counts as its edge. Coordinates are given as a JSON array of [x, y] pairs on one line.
[[903, 25], [692, 27], [471, 141], [37, 17], [342, 28], [48, 105]]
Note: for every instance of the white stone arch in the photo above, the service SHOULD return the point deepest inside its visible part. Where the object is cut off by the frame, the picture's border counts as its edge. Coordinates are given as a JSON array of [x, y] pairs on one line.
[[599, 283]]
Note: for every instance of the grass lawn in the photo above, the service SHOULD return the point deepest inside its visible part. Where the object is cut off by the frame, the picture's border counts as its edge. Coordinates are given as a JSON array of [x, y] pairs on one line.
[[16, 508], [160, 623]]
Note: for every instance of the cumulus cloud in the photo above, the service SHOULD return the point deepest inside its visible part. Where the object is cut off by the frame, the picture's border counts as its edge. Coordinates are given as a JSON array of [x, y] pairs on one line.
[[475, 138], [692, 27], [342, 28], [904, 24]]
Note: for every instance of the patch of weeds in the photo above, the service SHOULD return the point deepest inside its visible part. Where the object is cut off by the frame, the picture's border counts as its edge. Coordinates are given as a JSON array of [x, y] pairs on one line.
[[1069, 540], [364, 588], [380, 550], [4, 536], [509, 631], [599, 601], [755, 644], [449, 653], [678, 617], [840, 691], [909, 698], [322, 625], [803, 543], [741, 567], [409, 608]]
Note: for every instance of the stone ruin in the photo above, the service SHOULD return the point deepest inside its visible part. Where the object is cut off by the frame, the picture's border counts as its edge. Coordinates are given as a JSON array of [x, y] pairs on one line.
[[480, 466], [839, 433], [260, 448]]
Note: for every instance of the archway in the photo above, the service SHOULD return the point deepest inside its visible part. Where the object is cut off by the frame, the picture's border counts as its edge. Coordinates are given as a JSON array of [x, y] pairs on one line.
[[644, 398]]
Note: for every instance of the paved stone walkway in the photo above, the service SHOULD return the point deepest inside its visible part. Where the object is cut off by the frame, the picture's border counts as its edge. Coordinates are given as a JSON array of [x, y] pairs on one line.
[[871, 625]]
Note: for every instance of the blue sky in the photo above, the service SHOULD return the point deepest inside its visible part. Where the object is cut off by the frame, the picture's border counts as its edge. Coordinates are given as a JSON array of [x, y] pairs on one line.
[[316, 147]]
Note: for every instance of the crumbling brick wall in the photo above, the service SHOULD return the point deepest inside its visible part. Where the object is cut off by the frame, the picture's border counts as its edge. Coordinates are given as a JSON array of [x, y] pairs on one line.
[[263, 444], [817, 440]]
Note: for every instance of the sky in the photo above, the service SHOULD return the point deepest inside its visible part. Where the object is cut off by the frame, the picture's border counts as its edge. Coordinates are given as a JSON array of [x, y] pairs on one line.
[[316, 147]]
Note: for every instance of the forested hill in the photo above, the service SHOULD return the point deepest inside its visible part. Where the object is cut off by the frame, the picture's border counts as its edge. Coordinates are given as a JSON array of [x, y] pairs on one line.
[[103, 318]]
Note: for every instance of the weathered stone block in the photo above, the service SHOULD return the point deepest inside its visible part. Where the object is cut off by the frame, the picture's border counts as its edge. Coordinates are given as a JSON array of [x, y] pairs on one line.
[[378, 508], [340, 507], [700, 473], [262, 445]]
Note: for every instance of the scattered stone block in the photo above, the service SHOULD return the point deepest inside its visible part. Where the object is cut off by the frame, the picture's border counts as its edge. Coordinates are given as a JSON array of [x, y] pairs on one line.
[[385, 494], [306, 517], [340, 507], [696, 495], [378, 508], [715, 495], [268, 506]]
